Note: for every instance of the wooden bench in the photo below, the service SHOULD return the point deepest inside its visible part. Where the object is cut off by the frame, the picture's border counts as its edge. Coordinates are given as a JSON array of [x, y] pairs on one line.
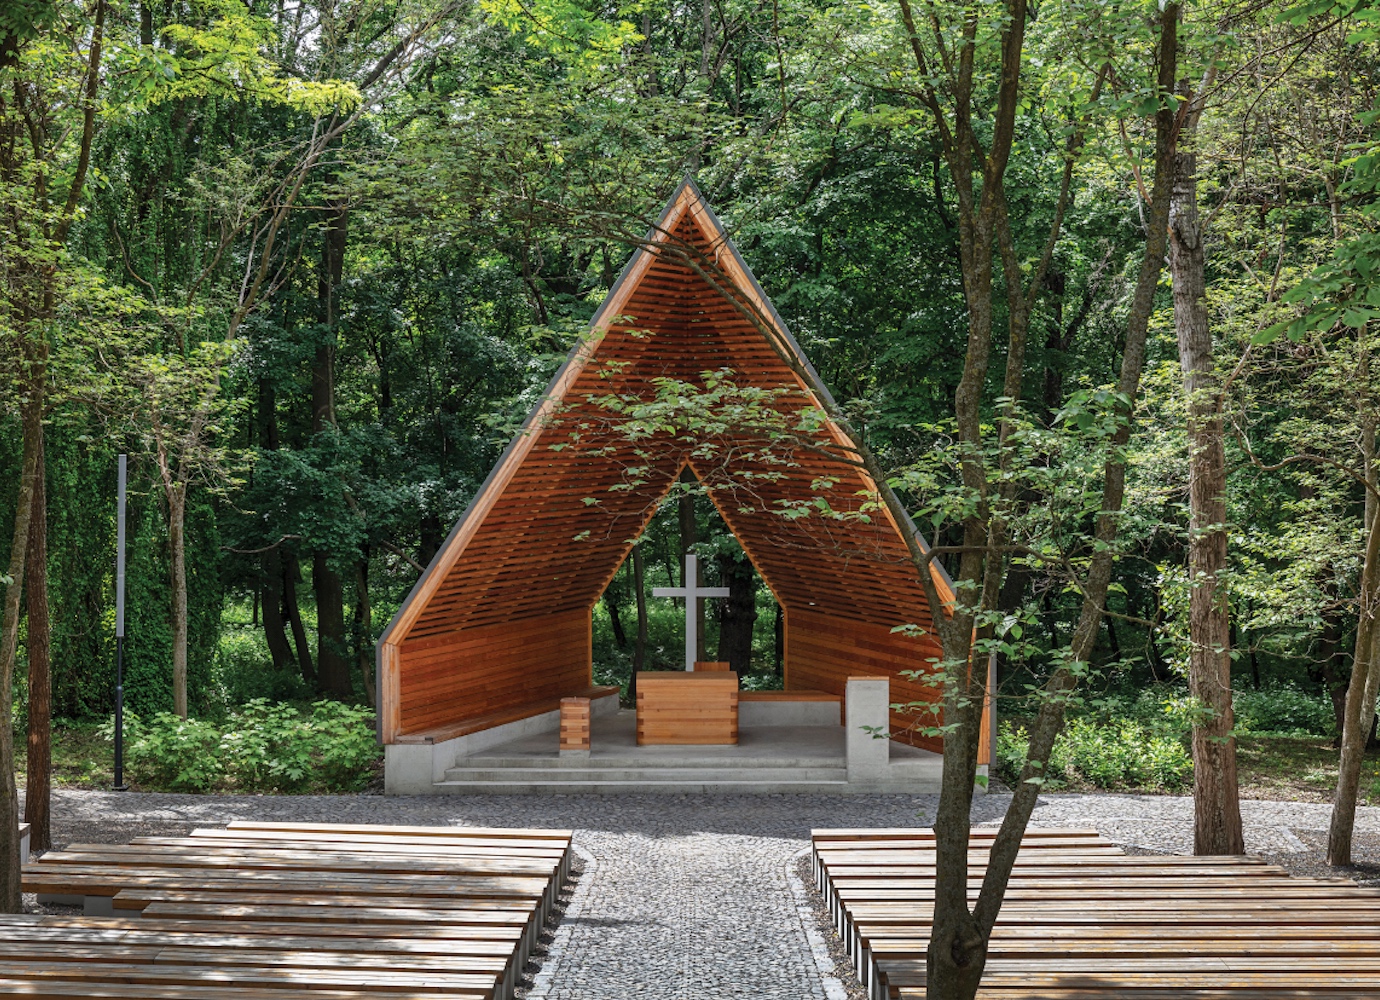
[[202, 856], [459, 839], [1082, 920], [501, 718], [679, 708], [346, 912]]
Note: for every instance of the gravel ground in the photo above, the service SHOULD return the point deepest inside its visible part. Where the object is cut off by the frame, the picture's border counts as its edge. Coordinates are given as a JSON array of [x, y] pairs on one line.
[[698, 897]]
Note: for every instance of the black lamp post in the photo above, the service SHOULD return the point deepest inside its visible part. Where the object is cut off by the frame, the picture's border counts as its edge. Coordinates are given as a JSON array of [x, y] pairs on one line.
[[120, 785]]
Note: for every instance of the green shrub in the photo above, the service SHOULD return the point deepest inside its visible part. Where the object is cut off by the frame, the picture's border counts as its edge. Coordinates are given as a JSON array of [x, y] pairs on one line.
[[1279, 710], [346, 746], [167, 753], [1283, 711], [264, 747], [1123, 753], [267, 748]]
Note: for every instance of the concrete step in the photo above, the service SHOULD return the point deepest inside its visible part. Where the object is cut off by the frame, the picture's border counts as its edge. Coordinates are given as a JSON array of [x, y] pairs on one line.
[[568, 775], [754, 787], [621, 761]]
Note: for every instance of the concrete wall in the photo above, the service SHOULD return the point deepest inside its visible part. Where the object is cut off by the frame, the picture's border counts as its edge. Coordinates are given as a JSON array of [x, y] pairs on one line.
[[414, 769], [783, 712]]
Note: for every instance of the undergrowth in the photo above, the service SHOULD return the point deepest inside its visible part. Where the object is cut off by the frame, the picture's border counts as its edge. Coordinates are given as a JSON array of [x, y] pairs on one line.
[[262, 747]]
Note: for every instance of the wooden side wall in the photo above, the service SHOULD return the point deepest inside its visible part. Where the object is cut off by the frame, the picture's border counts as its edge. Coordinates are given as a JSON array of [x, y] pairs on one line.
[[823, 651], [450, 679]]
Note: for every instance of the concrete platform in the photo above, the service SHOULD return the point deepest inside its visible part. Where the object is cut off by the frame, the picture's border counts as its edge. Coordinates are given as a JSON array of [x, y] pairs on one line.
[[767, 759]]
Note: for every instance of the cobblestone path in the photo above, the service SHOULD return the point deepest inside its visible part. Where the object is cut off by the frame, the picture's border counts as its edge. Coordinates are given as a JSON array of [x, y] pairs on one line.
[[682, 917]]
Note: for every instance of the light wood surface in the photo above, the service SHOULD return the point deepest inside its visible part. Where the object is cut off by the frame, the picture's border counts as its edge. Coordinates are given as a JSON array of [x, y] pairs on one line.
[[1082, 920], [289, 910], [574, 733], [492, 674], [679, 708]]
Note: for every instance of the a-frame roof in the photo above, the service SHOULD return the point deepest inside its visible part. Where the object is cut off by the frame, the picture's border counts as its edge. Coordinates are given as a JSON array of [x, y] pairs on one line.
[[532, 544]]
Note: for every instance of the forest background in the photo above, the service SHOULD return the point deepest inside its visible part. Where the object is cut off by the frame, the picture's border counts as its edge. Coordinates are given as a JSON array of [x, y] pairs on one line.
[[310, 264]]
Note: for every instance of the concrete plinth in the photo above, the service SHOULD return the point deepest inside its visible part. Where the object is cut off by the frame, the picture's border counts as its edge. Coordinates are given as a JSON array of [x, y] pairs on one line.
[[866, 727]]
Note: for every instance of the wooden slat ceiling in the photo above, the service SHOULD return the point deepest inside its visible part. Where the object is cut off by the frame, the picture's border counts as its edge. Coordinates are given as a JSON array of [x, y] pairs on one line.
[[542, 548]]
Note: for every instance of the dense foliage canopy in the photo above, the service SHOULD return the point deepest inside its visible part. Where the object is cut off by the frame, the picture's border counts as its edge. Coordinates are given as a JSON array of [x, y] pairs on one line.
[[326, 256]]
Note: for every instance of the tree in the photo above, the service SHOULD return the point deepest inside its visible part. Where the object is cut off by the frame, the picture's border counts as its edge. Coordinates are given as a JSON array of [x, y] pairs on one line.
[[1341, 295], [1217, 812], [34, 143]]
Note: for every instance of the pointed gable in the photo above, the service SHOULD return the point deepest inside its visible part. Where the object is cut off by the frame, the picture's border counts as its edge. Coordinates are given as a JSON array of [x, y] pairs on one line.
[[501, 619]]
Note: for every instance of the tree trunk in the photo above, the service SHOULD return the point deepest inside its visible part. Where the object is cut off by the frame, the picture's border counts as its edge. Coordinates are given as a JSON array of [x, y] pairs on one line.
[[1216, 808], [1360, 704], [275, 627], [611, 605], [39, 771], [364, 630], [292, 573], [331, 644], [779, 642], [177, 546], [737, 614], [271, 587], [640, 647], [11, 900], [1327, 670], [431, 539], [959, 937], [331, 660]]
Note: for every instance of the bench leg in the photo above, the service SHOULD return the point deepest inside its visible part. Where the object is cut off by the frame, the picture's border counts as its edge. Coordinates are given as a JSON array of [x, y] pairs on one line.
[[98, 906], [55, 899]]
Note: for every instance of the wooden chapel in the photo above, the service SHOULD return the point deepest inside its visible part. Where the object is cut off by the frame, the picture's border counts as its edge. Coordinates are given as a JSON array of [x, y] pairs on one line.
[[499, 626]]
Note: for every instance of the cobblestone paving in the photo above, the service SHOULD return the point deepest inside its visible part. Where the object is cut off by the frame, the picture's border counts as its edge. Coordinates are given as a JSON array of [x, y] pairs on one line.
[[683, 916], [683, 897]]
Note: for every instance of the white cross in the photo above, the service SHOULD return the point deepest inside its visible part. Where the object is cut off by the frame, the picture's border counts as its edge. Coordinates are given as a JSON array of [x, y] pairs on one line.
[[692, 591]]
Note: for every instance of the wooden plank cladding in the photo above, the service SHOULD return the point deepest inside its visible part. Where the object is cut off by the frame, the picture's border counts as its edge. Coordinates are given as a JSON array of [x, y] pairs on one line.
[[822, 652], [560, 512], [679, 708], [492, 670], [1084, 921]]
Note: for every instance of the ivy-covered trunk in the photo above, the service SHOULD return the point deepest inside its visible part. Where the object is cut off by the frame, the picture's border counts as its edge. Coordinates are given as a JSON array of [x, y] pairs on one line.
[[177, 552], [11, 900], [38, 767], [332, 657]]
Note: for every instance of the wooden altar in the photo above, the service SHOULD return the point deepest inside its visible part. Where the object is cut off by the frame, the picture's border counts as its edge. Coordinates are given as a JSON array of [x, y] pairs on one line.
[[681, 708]]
